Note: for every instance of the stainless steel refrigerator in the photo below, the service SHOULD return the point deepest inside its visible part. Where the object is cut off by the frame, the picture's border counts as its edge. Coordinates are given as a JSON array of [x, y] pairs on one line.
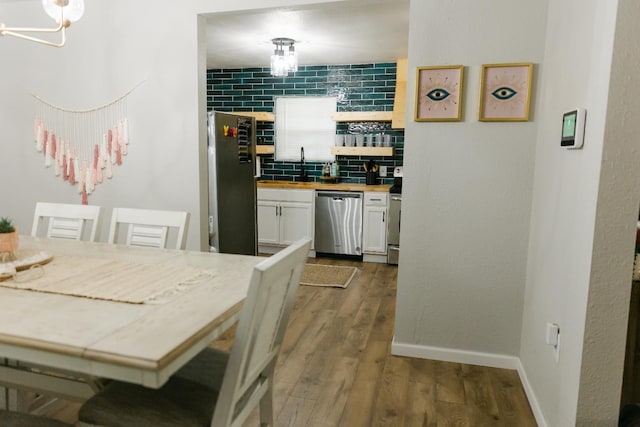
[[232, 184]]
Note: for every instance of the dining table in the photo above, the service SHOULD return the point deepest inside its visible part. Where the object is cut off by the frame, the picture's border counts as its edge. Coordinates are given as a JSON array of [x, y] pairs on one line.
[[99, 310]]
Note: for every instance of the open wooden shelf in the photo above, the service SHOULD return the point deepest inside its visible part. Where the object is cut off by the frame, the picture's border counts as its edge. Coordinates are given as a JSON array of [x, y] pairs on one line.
[[261, 116], [265, 149], [363, 151], [362, 116]]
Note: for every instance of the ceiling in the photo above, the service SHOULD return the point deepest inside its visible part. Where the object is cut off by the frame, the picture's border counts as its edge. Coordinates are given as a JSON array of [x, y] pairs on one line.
[[340, 32], [353, 32]]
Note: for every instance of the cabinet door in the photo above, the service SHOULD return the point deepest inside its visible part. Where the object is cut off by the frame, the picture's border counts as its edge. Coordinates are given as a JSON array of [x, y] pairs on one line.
[[374, 236], [296, 222], [268, 222]]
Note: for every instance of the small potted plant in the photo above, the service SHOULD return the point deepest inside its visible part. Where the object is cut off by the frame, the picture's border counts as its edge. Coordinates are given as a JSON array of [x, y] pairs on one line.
[[8, 236]]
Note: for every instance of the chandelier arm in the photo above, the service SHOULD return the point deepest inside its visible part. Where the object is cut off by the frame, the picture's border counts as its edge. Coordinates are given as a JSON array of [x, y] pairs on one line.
[[31, 30], [10, 32], [16, 32]]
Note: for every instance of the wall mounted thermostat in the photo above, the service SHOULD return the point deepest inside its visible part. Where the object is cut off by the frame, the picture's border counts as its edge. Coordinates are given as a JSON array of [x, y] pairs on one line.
[[573, 128]]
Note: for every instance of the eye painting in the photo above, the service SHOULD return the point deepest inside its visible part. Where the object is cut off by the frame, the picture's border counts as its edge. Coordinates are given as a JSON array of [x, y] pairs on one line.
[[438, 93], [505, 93]]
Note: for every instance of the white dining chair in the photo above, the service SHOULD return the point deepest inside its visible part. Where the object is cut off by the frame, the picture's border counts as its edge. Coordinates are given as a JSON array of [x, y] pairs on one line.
[[66, 221], [18, 419], [191, 397], [149, 228]]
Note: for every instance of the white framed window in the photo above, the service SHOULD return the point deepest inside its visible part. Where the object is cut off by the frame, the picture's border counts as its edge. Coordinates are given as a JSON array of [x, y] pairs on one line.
[[305, 121]]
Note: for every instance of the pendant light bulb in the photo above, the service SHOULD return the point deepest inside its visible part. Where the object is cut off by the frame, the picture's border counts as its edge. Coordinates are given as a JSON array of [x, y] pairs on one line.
[[72, 10], [292, 58]]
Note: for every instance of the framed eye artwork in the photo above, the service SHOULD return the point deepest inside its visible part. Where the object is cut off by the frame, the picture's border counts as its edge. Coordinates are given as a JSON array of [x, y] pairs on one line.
[[439, 93], [505, 92]]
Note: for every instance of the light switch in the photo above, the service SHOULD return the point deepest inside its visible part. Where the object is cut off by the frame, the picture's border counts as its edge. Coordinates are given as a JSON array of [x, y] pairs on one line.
[[383, 171], [553, 331]]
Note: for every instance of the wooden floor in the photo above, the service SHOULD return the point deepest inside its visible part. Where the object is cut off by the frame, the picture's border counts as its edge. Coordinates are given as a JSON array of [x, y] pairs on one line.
[[335, 368]]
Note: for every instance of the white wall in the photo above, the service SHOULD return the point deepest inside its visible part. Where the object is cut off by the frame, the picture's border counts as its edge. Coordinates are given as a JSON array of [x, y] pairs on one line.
[[584, 209], [467, 191]]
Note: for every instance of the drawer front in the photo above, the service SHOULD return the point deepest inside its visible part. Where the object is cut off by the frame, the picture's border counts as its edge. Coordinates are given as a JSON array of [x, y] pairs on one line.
[[281, 195], [376, 199]]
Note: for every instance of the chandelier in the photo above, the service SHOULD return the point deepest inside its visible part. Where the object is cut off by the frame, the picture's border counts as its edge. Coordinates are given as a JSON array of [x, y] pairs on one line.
[[283, 62], [64, 12]]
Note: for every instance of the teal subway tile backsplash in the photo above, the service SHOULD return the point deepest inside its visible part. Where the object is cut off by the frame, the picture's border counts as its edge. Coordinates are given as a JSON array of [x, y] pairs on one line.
[[359, 87]]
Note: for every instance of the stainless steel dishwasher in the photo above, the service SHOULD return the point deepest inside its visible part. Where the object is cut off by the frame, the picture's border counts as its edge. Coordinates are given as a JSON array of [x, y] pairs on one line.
[[338, 222]]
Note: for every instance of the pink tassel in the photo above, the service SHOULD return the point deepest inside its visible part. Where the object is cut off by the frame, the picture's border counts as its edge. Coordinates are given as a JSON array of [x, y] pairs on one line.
[[85, 199], [58, 159], [121, 140], [118, 156], [97, 170], [47, 150], [125, 127], [83, 176], [72, 170], [40, 140], [103, 152], [111, 148], [109, 170], [65, 174], [52, 151], [45, 137], [36, 128]]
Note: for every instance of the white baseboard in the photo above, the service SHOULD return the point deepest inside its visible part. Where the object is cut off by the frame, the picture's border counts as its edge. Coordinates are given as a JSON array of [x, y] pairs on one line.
[[271, 249], [533, 401], [381, 259], [473, 358], [457, 356]]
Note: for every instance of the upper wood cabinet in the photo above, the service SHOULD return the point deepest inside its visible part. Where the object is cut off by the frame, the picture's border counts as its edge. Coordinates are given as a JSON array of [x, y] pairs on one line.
[[400, 101]]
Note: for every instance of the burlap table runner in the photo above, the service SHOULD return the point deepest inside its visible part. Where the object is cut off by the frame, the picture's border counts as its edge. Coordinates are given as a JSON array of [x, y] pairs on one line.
[[109, 279]]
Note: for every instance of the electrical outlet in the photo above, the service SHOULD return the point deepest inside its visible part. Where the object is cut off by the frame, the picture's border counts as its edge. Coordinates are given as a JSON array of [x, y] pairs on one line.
[[383, 171]]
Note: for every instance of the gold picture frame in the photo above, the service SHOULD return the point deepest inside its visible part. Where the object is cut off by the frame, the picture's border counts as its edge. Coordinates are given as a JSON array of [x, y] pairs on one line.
[[439, 93], [505, 92]]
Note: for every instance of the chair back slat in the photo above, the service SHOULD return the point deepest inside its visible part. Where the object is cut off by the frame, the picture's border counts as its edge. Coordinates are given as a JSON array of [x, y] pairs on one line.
[[264, 317], [149, 228], [66, 221]]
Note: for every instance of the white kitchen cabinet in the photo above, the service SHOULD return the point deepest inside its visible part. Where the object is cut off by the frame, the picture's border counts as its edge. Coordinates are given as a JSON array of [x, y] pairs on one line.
[[374, 223], [284, 216], [268, 222]]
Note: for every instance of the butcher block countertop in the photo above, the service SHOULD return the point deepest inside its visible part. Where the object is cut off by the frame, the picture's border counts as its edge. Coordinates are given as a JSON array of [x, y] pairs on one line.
[[340, 186]]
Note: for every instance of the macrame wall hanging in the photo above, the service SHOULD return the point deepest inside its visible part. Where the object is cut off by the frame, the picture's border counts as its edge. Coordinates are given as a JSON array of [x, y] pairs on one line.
[[82, 146]]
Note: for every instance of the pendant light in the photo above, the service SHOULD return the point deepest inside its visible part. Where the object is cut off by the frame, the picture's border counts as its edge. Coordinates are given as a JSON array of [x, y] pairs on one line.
[[283, 62], [64, 12]]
